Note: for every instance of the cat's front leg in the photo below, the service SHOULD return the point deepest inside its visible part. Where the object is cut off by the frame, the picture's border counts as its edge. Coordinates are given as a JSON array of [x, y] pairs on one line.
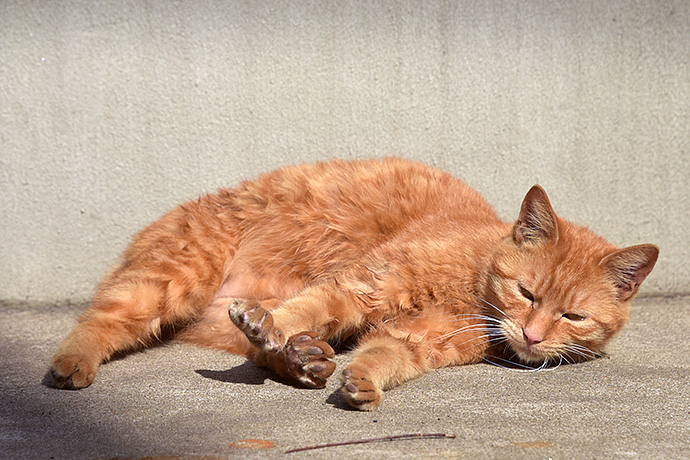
[[303, 356], [380, 362], [394, 354]]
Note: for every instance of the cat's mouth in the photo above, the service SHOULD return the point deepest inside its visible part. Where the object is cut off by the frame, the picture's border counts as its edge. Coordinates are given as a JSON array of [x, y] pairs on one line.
[[532, 354], [528, 354]]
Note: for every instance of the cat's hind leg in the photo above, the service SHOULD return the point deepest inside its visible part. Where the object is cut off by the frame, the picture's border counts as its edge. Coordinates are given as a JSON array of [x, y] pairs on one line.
[[292, 338], [129, 311], [169, 274], [120, 317], [303, 357]]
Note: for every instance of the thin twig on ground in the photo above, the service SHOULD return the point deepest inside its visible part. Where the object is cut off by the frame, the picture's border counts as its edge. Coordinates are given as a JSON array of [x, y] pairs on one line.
[[383, 438]]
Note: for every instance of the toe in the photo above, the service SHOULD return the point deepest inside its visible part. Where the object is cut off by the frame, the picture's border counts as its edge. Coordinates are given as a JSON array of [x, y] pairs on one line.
[[360, 392], [72, 372], [257, 325], [308, 359]]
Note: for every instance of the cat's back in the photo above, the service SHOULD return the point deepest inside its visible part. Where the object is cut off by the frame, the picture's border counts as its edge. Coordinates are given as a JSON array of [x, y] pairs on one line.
[[368, 195], [313, 221]]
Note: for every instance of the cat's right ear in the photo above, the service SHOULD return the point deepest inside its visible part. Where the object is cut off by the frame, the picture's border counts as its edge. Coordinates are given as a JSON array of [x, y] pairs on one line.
[[537, 222]]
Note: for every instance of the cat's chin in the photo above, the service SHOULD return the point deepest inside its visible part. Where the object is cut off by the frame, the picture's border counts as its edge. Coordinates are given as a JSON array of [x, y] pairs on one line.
[[527, 356]]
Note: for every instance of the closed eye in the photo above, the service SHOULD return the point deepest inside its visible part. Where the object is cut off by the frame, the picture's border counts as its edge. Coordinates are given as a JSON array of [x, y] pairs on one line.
[[573, 317], [525, 293]]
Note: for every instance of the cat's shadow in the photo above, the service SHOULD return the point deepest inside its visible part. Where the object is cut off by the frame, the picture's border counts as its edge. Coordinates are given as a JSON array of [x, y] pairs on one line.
[[337, 400], [249, 374], [246, 373]]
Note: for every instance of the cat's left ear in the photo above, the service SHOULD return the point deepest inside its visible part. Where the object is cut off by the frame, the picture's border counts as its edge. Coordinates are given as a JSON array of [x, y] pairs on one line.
[[537, 222], [628, 267]]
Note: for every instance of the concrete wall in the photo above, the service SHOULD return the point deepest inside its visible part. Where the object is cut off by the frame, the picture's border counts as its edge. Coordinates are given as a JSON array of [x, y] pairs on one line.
[[113, 111]]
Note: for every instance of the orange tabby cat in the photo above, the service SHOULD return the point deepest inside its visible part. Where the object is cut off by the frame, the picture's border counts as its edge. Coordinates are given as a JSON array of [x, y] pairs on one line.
[[407, 261]]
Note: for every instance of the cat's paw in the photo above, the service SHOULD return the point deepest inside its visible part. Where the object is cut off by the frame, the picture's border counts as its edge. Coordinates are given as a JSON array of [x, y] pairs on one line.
[[257, 324], [308, 359], [73, 371], [360, 392]]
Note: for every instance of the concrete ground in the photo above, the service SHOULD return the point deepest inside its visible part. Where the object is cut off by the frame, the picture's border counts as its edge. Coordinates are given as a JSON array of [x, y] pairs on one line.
[[180, 402]]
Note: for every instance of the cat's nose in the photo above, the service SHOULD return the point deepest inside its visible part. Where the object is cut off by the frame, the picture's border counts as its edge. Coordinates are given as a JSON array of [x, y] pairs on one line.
[[531, 338]]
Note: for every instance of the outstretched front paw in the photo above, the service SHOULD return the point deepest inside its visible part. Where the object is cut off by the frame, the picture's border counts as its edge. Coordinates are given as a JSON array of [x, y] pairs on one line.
[[257, 324], [308, 359], [360, 392]]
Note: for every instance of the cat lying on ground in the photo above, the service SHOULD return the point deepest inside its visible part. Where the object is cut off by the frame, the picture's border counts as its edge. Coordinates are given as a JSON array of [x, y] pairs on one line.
[[407, 262]]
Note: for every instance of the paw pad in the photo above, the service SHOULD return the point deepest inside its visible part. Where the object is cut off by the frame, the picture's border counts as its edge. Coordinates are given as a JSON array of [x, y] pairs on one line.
[[360, 392], [309, 359], [257, 324]]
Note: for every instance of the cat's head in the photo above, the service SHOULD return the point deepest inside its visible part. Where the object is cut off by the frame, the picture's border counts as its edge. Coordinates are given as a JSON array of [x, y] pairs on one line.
[[560, 290]]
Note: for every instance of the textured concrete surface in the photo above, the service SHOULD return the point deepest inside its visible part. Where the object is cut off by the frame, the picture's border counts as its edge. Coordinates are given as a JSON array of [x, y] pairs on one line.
[[180, 402], [112, 112]]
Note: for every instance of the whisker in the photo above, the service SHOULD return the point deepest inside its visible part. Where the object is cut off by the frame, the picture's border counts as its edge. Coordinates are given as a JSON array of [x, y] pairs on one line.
[[588, 351], [492, 329], [490, 305], [582, 351], [485, 339], [471, 327], [566, 358], [548, 364], [471, 316], [525, 367]]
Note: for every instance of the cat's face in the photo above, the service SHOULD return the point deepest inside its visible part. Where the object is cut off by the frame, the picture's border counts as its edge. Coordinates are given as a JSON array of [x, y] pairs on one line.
[[555, 305], [558, 290]]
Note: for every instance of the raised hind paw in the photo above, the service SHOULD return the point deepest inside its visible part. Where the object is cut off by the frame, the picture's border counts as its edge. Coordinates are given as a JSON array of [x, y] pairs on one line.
[[308, 359], [360, 392], [257, 324], [73, 371], [303, 357]]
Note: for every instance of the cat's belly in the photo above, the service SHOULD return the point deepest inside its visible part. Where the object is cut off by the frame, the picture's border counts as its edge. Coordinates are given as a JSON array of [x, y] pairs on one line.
[[246, 285]]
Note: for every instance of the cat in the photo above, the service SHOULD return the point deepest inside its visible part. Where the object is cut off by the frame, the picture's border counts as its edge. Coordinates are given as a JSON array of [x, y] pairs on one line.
[[408, 263]]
